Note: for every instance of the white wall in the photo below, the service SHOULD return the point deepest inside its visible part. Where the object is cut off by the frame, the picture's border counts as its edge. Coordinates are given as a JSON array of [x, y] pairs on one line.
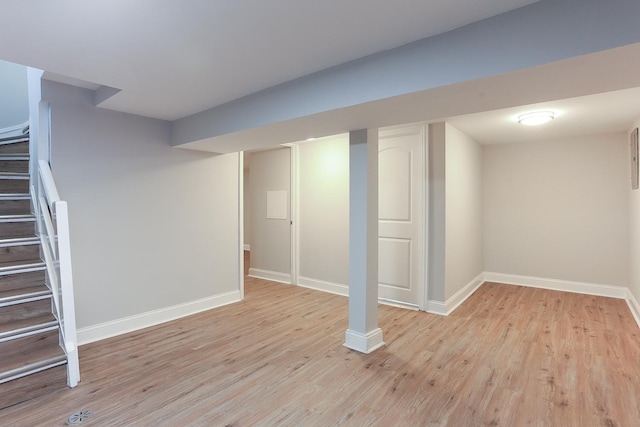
[[270, 238], [558, 209], [152, 227], [436, 235], [324, 210], [14, 100], [634, 238], [464, 215]]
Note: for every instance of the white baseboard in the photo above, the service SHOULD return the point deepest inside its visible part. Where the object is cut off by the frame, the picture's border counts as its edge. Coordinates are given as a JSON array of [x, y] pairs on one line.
[[447, 307], [437, 307], [321, 285], [558, 285], [274, 276], [634, 306], [247, 248], [459, 297], [151, 318], [364, 343]]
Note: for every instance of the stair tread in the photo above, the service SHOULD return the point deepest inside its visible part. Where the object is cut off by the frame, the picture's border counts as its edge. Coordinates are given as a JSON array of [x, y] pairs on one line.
[[15, 295], [15, 196], [43, 349], [36, 385], [30, 323], [16, 139], [18, 175], [17, 217], [44, 359], [31, 240], [22, 267], [14, 156], [15, 265]]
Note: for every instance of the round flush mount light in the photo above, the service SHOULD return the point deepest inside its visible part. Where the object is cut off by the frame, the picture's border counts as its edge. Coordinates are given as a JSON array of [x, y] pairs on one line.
[[536, 118]]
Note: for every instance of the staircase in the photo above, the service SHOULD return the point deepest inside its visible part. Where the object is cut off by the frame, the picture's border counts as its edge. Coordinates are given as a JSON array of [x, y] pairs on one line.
[[32, 361]]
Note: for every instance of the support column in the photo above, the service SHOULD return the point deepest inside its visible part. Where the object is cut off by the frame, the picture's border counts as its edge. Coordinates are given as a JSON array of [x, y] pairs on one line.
[[363, 334]]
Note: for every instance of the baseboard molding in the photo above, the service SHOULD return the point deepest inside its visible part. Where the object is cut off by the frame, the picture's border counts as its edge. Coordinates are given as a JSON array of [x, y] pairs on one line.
[[274, 276], [364, 343], [558, 285], [447, 307], [459, 297], [634, 306], [247, 248], [321, 285], [437, 307], [151, 318]]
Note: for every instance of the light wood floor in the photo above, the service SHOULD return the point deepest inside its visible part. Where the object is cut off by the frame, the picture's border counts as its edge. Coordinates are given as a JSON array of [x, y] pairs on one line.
[[508, 356]]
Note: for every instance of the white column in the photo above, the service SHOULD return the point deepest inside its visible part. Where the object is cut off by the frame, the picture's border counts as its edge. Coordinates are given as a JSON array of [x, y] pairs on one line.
[[363, 334]]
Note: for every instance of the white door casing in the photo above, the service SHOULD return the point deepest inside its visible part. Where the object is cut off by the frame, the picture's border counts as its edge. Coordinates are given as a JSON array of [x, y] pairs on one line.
[[401, 216]]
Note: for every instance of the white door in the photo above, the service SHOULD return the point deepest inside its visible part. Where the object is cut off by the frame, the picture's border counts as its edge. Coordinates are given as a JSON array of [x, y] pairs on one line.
[[401, 217]]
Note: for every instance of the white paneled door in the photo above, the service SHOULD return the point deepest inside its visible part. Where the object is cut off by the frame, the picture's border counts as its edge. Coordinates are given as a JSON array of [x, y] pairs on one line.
[[401, 217]]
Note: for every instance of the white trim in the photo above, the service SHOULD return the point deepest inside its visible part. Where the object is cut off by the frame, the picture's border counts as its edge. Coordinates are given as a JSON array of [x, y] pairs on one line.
[[634, 306], [459, 297], [247, 247], [558, 285], [424, 303], [294, 210], [151, 318], [274, 276], [437, 307], [364, 343], [398, 304], [241, 224], [447, 307], [321, 285]]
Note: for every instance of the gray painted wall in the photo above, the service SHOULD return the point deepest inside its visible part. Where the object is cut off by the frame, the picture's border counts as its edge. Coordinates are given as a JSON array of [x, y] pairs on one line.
[[324, 210], [151, 226], [437, 212], [14, 100], [464, 216], [270, 238], [559, 209]]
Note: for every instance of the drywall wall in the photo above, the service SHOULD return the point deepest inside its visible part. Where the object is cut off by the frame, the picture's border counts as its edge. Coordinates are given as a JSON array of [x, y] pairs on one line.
[[558, 209], [270, 235], [152, 227], [14, 100], [324, 210], [463, 201], [437, 213], [634, 234]]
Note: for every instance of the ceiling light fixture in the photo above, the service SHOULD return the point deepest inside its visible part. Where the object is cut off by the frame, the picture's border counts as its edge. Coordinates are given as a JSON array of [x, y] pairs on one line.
[[536, 118]]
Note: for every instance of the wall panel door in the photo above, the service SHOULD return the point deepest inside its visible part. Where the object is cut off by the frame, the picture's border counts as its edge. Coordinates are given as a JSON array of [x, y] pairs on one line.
[[401, 216]]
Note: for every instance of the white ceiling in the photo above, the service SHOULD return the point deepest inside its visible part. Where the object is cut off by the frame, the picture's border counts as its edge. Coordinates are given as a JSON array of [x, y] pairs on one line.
[[175, 58], [601, 113], [172, 59]]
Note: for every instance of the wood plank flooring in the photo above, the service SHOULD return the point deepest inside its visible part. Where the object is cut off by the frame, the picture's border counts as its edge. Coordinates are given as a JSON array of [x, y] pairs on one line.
[[508, 356]]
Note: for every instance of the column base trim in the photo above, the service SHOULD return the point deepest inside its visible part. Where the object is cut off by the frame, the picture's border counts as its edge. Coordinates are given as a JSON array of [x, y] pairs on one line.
[[364, 343]]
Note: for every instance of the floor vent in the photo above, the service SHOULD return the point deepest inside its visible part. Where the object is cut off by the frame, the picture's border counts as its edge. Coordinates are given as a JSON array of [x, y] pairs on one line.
[[79, 417]]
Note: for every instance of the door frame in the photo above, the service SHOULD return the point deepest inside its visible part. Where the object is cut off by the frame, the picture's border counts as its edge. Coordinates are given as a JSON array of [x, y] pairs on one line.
[[293, 200]]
